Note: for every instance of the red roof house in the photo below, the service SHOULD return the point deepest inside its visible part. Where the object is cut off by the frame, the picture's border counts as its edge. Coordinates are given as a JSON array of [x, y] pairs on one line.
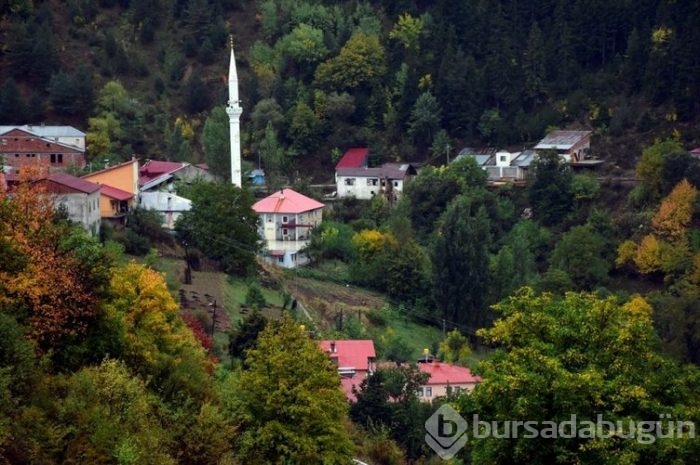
[[155, 172], [695, 152], [286, 201], [444, 379], [356, 360], [354, 158], [79, 197], [286, 221]]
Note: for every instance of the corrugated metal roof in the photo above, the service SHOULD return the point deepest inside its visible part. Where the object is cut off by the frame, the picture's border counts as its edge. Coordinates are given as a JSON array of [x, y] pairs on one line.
[[46, 131], [164, 202], [561, 140], [115, 193], [353, 158], [387, 170], [78, 184]]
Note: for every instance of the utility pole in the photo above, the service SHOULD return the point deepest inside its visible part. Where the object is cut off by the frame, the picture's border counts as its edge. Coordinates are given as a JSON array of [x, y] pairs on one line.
[[213, 317], [188, 270], [443, 327], [447, 152]]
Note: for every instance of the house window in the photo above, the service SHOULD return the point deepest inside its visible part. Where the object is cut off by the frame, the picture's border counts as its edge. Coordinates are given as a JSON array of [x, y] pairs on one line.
[[285, 219], [16, 154], [280, 259], [396, 184], [372, 181], [419, 392], [428, 392], [350, 182], [53, 158], [503, 158], [60, 158], [285, 231]]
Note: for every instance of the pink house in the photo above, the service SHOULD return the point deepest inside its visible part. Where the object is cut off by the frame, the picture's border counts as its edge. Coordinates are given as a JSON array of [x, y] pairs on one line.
[[286, 221], [356, 360], [445, 379]]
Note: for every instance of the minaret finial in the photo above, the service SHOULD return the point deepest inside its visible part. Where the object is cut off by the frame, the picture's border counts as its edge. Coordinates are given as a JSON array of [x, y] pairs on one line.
[[230, 40]]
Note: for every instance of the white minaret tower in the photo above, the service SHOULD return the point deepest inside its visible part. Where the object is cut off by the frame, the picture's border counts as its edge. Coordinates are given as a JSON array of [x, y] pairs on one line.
[[234, 110]]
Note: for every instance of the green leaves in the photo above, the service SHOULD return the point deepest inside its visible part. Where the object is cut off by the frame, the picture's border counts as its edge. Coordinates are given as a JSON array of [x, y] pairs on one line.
[[287, 402]]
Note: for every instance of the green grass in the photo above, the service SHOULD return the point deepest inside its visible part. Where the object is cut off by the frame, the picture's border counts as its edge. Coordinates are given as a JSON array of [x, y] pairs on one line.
[[235, 290], [417, 336]]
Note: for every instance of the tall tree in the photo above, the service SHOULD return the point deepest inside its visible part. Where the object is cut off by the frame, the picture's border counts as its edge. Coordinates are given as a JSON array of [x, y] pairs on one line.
[[215, 141], [287, 402], [549, 190], [223, 225], [460, 263]]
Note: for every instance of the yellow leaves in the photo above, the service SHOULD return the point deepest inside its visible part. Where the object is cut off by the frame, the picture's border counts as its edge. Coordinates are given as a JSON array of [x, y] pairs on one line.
[[408, 30], [370, 242], [186, 127], [148, 315], [648, 255], [660, 36], [675, 212], [637, 306], [625, 253]]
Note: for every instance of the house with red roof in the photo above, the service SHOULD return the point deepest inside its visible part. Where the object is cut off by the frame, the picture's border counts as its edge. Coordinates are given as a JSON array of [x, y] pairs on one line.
[[445, 379], [286, 221], [119, 189], [158, 187], [157, 174], [79, 197], [355, 359], [356, 157], [695, 152], [354, 178]]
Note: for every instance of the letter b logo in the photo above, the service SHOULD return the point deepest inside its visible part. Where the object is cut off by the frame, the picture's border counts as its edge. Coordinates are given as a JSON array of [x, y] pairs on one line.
[[446, 432]]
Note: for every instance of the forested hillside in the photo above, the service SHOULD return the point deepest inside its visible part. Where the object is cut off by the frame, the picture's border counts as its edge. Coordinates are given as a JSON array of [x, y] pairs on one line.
[[407, 78]]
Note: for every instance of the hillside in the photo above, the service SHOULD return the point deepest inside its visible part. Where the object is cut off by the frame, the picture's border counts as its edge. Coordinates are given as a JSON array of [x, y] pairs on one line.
[[407, 79]]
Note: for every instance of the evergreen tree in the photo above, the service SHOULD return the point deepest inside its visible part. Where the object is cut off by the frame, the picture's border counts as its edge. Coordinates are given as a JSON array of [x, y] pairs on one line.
[[460, 259], [549, 190]]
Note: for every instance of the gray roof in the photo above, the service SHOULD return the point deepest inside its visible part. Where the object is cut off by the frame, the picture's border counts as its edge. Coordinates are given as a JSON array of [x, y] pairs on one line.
[[387, 170], [561, 140], [524, 159], [46, 131]]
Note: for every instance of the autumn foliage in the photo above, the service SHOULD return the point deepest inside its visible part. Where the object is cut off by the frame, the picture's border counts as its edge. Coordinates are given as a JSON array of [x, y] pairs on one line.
[[44, 282]]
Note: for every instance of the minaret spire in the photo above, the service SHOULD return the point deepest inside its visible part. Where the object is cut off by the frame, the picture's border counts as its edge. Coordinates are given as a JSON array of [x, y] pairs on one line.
[[234, 111]]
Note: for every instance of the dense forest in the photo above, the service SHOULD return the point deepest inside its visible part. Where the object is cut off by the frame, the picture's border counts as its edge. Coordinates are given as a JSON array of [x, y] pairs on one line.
[[413, 80]]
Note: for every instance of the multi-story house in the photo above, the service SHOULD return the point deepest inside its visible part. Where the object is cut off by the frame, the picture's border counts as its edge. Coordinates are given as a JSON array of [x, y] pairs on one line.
[[286, 221]]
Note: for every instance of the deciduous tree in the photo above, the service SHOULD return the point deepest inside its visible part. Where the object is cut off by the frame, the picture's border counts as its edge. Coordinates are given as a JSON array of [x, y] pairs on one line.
[[287, 403], [578, 355]]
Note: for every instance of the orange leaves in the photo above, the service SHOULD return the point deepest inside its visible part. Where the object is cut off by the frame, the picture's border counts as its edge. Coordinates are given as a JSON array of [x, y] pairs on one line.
[[48, 288], [666, 248], [675, 212]]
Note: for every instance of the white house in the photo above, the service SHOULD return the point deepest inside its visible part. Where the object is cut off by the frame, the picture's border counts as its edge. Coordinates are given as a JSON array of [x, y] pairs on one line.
[[572, 146], [286, 221], [501, 165], [79, 197], [168, 204], [364, 183]]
